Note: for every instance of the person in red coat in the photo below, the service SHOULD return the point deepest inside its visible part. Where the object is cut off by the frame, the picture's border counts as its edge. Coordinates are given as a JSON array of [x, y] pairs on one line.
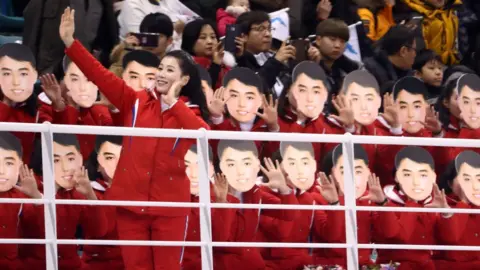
[[415, 177], [149, 169], [81, 108], [418, 120], [244, 95], [230, 14], [103, 163], [298, 162], [11, 170], [301, 107], [18, 103], [461, 182], [468, 91], [362, 93], [332, 189], [71, 182], [240, 164]]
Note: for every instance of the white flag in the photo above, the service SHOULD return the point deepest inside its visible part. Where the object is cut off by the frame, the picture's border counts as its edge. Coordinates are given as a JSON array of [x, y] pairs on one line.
[[352, 49], [180, 11], [280, 24]]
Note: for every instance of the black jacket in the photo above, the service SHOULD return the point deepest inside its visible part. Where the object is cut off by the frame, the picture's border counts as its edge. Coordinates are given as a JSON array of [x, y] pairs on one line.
[[269, 71], [383, 70]]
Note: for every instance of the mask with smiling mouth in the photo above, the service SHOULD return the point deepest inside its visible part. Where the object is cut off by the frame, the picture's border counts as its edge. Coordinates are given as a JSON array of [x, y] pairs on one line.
[[466, 184], [243, 92], [10, 160], [18, 74], [298, 161], [468, 90]]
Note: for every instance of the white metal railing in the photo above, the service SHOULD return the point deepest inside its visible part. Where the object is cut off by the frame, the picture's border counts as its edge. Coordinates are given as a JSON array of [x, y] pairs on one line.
[[205, 205]]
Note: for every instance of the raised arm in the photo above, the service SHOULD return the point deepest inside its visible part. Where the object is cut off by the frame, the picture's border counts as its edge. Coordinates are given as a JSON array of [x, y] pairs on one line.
[[115, 89]]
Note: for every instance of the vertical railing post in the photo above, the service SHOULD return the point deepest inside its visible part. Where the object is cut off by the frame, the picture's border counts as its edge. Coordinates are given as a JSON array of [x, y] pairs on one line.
[[205, 211], [350, 203], [49, 196]]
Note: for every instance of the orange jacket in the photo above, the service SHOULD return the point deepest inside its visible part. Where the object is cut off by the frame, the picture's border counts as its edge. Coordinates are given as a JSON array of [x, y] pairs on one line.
[[377, 24]]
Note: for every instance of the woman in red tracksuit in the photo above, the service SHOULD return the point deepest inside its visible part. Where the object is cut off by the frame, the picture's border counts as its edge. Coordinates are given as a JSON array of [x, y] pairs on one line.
[[11, 170], [462, 185], [81, 110], [200, 40], [301, 107], [149, 169], [418, 120], [71, 183], [18, 103], [415, 181], [102, 166], [333, 229]]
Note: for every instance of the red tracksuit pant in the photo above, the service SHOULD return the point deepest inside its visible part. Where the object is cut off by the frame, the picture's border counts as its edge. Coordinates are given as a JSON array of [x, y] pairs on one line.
[[132, 226]]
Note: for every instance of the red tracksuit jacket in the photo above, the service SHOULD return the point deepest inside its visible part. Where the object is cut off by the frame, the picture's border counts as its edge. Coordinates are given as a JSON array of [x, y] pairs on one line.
[[206, 64], [244, 227], [320, 125], [103, 257], [411, 228], [298, 230], [10, 215], [97, 115], [91, 218], [19, 115], [224, 19], [149, 169], [333, 231], [387, 153], [192, 255], [467, 230]]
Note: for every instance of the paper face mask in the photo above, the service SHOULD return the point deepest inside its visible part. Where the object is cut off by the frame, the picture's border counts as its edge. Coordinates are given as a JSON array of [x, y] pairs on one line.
[[83, 92], [239, 163], [468, 87], [467, 165], [299, 163], [67, 160], [107, 157], [362, 90], [361, 170], [10, 160], [140, 69], [192, 169], [415, 172], [243, 94], [410, 98], [308, 93], [18, 74]]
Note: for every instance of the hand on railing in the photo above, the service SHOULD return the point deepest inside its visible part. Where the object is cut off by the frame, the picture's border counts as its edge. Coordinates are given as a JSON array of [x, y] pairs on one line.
[[28, 184], [375, 191], [276, 178], [220, 188], [326, 187]]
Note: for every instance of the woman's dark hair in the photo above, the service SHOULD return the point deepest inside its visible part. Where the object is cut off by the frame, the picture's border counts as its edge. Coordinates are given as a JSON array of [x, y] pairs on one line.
[[444, 112], [191, 33], [193, 89], [283, 103], [92, 166], [445, 180]]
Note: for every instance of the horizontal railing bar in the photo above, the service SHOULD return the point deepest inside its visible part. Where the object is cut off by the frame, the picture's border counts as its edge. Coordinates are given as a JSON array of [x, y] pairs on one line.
[[129, 203], [417, 209], [278, 206], [26, 201], [23, 127], [419, 247], [129, 243], [24, 241]]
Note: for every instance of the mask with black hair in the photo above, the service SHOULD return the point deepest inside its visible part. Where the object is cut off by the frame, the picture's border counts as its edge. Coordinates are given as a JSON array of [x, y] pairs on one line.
[[410, 95], [243, 91], [467, 180], [67, 159], [308, 93], [192, 169], [108, 149], [468, 90], [361, 89], [360, 168], [10, 160], [83, 92], [139, 69], [415, 172], [298, 161], [18, 73]]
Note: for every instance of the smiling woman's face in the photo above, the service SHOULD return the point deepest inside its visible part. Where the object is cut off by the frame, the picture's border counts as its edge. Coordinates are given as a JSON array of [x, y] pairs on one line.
[[169, 72]]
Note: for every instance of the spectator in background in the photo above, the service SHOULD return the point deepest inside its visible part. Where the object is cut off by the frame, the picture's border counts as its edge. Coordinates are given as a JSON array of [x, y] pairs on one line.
[[332, 36], [133, 12], [376, 16], [200, 40], [395, 56], [97, 30], [440, 26], [255, 54], [269, 5], [428, 66], [230, 14], [154, 23]]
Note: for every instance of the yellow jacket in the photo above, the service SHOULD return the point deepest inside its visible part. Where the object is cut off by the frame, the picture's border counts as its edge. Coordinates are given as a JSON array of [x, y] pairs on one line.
[[440, 29], [379, 26]]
